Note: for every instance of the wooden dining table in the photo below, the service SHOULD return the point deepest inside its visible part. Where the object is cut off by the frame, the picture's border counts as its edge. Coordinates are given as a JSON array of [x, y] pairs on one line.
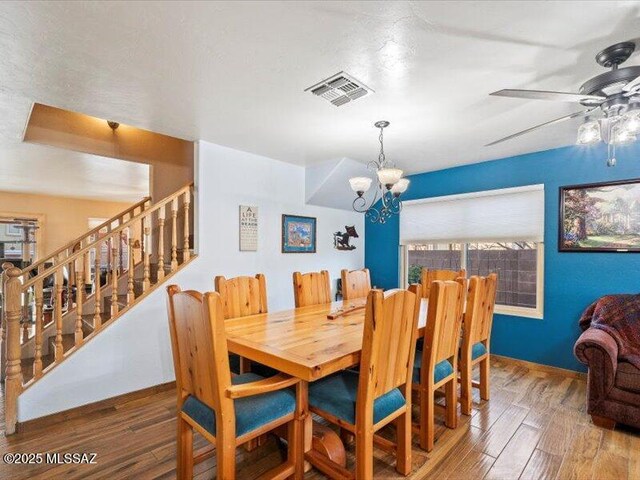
[[305, 343]]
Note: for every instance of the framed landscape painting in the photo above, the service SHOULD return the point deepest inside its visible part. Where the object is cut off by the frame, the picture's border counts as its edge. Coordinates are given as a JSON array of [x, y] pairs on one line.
[[600, 217], [298, 234]]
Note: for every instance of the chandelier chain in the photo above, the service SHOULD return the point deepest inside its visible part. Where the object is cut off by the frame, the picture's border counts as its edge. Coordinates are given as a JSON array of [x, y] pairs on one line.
[[381, 158]]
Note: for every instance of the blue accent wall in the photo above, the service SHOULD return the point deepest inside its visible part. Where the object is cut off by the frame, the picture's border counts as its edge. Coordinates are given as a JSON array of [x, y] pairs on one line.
[[572, 280]]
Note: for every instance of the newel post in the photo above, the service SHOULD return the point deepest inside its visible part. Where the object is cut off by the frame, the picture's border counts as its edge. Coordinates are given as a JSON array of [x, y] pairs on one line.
[[3, 319], [13, 378]]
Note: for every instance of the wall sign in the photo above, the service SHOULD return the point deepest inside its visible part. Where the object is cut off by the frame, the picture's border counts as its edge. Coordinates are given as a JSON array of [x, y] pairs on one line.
[[248, 228]]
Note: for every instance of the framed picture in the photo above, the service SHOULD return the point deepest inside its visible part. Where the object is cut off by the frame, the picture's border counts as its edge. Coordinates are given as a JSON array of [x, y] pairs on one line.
[[13, 230], [248, 228], [600, 217], [298, 234]]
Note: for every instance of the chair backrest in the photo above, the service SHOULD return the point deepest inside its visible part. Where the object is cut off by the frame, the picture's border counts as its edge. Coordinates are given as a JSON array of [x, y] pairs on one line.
[[311, 288], [428, 276], [478, 316], [355, 283], [444, 320], [199, 347], [242, 296], [388, 345]]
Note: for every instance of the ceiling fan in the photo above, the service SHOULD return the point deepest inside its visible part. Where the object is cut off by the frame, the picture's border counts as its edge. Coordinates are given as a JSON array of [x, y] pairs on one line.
[[611, 101]]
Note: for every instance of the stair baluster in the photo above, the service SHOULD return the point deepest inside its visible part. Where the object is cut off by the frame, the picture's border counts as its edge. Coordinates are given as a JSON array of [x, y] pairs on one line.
[[161, 213], [97, 318], [131, 296], [115, 257], [3, 353], [39, 296], [186, 253], [146, 281], [58, 289], [174, 234], [78, 333]]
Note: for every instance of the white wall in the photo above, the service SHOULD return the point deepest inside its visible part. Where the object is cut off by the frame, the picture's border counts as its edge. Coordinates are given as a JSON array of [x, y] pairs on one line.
[[135, 352]]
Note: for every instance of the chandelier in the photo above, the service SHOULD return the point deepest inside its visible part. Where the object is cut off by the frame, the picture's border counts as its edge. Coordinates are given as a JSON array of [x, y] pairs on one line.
[[619, 126], [390, 186]]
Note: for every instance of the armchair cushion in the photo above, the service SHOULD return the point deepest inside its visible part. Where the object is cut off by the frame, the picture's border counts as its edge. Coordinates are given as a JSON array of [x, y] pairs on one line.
[[440, 372], [628, 377], [251, 412], [337, 394]]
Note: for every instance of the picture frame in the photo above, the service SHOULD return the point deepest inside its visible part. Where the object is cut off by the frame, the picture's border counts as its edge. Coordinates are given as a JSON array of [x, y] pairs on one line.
[[600, 217], [298, 234], [13, 230]]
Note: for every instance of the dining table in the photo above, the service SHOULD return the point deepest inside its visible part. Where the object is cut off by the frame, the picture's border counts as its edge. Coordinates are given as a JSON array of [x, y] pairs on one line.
[[308, 343]]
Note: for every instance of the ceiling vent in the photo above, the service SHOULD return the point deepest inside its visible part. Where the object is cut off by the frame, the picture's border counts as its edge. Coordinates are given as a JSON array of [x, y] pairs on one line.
[[340, 89]]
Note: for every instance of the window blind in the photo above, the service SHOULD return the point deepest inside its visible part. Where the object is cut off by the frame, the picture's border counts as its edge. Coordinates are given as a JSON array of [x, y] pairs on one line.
[[510, 214]]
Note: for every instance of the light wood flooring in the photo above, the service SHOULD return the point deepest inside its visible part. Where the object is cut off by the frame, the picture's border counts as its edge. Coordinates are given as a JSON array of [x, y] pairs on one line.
[[534, 426]]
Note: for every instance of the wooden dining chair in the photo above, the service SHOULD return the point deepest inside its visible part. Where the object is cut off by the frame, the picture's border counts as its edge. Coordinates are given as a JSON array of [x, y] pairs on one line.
[[224, 410], [428, 276], [243, 296], [362, 403], [476, 337], [437, 365], [355, 283], [311, 288]]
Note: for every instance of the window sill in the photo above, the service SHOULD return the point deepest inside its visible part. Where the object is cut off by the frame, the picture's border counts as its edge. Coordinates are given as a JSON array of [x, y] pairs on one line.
[[519, 311]]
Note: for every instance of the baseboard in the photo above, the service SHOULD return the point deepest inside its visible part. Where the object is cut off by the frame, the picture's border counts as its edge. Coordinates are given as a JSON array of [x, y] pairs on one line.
[[541, 368], [84, 410]]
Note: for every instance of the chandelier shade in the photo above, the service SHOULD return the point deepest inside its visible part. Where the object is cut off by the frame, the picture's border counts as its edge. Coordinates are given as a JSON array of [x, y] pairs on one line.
[[360, 184]]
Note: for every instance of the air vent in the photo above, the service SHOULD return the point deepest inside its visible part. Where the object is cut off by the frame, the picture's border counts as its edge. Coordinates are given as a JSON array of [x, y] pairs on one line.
[[340, 89]]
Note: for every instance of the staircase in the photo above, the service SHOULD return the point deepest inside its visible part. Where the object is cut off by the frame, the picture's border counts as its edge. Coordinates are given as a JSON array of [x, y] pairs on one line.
[[57, 305]]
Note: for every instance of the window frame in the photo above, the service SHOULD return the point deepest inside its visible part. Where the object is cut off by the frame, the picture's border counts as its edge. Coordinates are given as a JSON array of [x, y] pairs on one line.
[[536, 312]]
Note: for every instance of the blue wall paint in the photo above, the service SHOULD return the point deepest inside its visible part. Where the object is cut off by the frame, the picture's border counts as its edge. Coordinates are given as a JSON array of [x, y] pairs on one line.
[[572, 280]]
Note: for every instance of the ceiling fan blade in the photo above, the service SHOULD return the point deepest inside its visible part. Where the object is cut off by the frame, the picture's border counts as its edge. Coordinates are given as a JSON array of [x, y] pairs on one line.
[[545, 124], [632, 86], [546, 95]]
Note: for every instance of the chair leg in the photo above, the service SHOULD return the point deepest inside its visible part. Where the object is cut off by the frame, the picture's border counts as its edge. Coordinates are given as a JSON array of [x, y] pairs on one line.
[[184, 467], [427, 406], [403, 452], [451, 391], [484, 378], [295, 452], [226, 457], [364, 453], [465, 389]]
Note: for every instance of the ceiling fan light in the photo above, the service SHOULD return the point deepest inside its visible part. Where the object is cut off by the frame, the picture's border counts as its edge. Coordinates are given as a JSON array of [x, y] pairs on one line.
[[589, 133], [389, 176], [621, 136], [631, 121], [400, 186], [360, 184]]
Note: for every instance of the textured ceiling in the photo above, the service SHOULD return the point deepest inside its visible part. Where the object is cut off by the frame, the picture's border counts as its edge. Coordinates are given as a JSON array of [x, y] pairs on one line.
[[234, 73]]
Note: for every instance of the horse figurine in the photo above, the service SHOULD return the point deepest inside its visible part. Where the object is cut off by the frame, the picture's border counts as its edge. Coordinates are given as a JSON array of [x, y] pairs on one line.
[[341, 240]]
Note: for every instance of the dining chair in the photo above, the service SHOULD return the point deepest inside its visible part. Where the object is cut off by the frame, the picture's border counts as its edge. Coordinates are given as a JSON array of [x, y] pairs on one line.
[[355, 283], [427, 276], [476, 337], [364, 402], [311, 288], [436, 365], [227, 411], [243, 296]]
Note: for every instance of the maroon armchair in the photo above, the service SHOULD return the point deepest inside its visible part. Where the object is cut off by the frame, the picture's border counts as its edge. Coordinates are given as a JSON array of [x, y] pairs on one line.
[[613, 386]]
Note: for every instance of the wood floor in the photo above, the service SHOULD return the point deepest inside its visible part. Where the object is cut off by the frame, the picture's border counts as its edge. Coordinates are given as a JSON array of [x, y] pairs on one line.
[[534, 426]]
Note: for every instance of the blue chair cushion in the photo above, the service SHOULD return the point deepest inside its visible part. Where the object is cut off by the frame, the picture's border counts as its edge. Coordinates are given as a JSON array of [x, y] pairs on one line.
[[478, 350], [337, 393], [251, 412], [442, 370]]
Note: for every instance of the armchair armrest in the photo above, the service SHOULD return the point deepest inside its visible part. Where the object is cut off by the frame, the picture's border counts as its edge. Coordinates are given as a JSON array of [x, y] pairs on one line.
[[271, 384], [599, 351]]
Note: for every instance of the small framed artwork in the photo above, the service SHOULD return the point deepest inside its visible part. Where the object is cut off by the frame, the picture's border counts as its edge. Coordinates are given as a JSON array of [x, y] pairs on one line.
[[600, 217], [298, 234]]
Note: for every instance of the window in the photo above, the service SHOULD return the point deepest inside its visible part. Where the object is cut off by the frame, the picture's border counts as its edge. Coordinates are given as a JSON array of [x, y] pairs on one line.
[[499, 231]]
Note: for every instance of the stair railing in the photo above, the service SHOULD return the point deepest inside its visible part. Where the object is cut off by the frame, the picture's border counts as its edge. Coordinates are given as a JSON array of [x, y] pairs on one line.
[[93, 266]]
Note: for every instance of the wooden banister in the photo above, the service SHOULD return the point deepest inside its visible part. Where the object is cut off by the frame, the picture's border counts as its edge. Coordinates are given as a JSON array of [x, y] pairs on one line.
[[71, 245], [24, 297], [130, 223]]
